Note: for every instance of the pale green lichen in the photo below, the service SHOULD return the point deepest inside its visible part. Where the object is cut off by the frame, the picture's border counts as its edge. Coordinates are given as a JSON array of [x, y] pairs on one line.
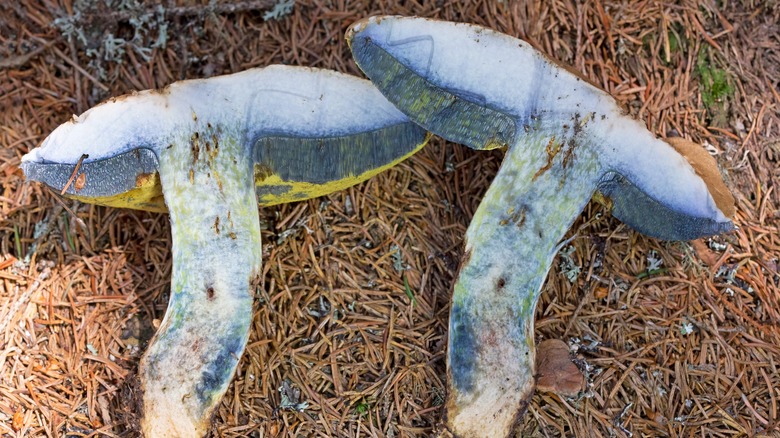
[[686, 328], [568, 266], [93, 27], [281, 9]]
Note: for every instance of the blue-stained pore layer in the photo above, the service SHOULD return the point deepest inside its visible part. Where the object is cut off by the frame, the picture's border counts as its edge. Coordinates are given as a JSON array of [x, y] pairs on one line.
[[102, 178], [457, 118], [648, 216], [320, 160]]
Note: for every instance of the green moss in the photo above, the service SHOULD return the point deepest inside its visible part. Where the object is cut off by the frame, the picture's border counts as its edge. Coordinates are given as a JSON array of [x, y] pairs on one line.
[[715, 85], [674, 42], [362, 407]]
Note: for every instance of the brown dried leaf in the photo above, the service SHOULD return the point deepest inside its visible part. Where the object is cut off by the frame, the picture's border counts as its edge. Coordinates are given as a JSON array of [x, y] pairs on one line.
[[18, 421], [81, 180], [655, 416], [706, 255], [555, 370]]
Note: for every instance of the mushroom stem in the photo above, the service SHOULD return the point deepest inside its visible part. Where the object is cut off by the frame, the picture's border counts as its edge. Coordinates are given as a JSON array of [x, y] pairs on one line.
[[216, 258], [510, 245]]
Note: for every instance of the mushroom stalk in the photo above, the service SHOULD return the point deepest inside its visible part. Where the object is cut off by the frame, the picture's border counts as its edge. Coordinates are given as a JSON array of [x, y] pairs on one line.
[[216, 260], [509, 247]]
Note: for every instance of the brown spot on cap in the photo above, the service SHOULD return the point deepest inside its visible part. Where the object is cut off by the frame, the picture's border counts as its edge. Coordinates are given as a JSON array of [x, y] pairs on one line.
[[707, 169], [555, 370]]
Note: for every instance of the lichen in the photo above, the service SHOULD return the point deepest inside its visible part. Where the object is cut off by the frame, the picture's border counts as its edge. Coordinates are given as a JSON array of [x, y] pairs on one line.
[[281, 9], [94, 29]]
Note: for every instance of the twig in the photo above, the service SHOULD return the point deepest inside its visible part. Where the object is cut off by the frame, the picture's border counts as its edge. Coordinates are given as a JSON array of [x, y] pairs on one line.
[[21, 60], [73, 175], [704, 34], [62, 203]]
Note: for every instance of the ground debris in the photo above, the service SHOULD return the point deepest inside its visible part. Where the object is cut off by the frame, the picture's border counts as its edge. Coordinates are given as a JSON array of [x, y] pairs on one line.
[[109, 279]]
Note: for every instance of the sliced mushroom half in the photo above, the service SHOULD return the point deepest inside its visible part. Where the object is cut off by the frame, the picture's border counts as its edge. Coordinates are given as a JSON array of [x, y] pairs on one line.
[[207, 151], [565, 140]]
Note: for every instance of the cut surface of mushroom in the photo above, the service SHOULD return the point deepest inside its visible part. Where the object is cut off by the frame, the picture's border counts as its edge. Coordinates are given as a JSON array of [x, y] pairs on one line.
[[207, 151], [565, 140]]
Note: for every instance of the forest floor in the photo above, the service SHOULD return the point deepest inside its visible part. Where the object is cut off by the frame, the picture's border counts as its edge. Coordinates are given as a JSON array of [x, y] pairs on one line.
[[676, 338]]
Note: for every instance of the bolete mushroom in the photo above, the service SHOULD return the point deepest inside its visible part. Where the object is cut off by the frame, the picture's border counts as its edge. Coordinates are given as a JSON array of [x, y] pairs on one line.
[[206, 151], [565, 140]]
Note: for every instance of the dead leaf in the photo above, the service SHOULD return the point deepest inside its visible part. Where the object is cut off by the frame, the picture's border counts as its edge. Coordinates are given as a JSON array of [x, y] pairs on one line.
[[81, 180], [18, 421], [706, 255], [555, 371], [655, 416]]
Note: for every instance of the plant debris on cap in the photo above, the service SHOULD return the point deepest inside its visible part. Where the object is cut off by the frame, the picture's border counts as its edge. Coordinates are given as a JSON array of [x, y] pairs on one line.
[[565, 140], [207, 151]]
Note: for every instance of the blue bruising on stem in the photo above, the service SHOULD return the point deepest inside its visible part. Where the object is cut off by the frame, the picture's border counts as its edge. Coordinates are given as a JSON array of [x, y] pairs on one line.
[[463, 348], [216, 259], [220, 368]]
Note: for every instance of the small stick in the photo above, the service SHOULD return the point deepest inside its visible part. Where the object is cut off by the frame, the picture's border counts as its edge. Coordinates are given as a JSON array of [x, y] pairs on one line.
[[72, 213], [704, 34], [73, 175]]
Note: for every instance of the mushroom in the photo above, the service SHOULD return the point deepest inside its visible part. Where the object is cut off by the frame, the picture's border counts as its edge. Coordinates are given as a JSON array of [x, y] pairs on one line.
[[565, 140], [207, 151]]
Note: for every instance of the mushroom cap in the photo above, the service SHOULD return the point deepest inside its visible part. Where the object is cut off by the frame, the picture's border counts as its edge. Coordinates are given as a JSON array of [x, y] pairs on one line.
[[310, 131], [484, 89]]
